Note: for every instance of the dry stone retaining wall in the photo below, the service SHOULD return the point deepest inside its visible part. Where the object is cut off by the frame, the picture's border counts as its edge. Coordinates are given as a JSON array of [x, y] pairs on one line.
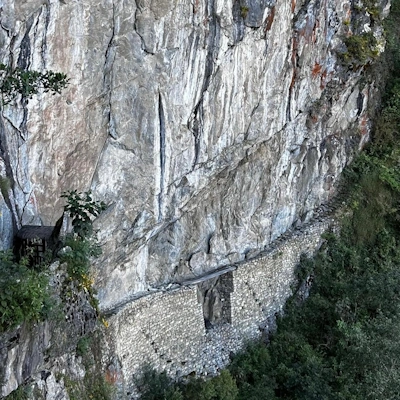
[[189, 328], [261, 286], [168, 330], [163, 329]]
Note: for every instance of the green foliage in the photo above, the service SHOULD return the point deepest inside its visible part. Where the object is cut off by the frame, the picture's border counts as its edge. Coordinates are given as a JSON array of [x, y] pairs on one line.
[[252, 371], [93, 387], [371, 7], [82, 243], [339, 342], [14, 81], [78, 256], [220, 387], [392, 33], [24, 293], [4, 186], [244, 11], [21, 393], [82, 208], [155, 386], [83, 346], [361, 49], [386, 133]]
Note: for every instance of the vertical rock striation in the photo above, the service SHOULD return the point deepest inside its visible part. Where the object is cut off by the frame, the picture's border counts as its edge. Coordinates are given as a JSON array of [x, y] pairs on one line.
[[210, 127]]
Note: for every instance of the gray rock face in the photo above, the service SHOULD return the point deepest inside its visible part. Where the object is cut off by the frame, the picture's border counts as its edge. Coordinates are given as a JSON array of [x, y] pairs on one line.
[[210, 127]]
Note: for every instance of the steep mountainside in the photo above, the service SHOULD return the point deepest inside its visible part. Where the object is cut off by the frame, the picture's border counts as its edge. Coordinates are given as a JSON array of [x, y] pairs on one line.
[[210, 127]]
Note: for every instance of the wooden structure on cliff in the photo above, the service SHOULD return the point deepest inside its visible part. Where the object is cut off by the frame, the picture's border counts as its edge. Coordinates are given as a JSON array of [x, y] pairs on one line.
[[34, 241]]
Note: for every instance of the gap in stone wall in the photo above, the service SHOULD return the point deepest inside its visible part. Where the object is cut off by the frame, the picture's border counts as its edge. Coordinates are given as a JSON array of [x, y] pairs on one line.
[[215, 297]]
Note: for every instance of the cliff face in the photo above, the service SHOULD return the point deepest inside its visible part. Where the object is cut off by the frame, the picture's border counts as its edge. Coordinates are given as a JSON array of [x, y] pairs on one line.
[[209, 126]]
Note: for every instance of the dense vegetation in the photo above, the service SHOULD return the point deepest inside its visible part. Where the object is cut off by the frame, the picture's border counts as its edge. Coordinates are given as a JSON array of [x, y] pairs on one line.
[[342, 343], [25, 294]]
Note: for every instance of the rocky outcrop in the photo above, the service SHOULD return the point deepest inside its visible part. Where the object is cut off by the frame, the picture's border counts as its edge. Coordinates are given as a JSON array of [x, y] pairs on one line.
[[42, 354], [210, 127]]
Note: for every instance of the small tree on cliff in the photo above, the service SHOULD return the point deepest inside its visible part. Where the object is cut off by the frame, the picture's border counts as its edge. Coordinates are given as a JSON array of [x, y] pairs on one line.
[[82, 208], [15, 81]]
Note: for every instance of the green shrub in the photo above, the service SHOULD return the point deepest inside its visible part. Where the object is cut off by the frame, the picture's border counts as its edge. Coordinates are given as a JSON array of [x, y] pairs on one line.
[[361, 49], [82, 208], [21, 393], [244, 11], [14, 81], [93, 387], [81, 245], [220, 387], [83, 346], [78, 256], [24, 293], [337, 343], [155, 386]]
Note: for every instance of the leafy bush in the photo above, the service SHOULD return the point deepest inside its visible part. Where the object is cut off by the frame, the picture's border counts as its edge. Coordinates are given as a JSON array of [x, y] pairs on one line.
[[24, 293], [339, 342], [244, 11], [93, 387], [221, 387], [82, 243], [155, 386], [83, 346], [22, 393], [361, 49], [14, 81], [82, 208], [78, 256]]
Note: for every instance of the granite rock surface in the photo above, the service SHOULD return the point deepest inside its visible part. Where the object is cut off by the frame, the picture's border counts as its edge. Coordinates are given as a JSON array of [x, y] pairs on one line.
[[210, 127]]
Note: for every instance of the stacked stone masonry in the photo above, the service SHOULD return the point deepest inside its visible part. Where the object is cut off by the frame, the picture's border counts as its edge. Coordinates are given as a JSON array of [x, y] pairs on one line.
[[168, 331], [262, 286], [164, 329]]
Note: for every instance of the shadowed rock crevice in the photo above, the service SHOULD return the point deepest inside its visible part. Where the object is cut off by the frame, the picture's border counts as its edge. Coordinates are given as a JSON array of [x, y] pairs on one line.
[[161, 117]]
